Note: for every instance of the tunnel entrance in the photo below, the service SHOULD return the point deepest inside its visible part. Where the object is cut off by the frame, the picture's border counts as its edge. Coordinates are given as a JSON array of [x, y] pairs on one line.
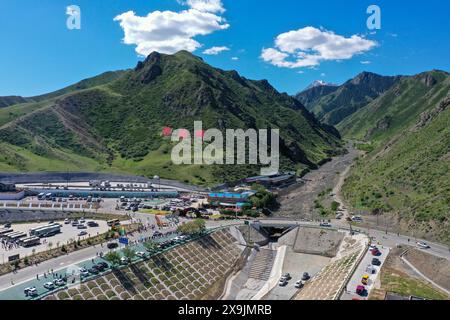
[[273, 233]]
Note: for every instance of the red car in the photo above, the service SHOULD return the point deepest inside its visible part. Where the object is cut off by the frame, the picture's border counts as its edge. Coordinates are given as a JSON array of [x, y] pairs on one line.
[[376, 252], [360, 290]]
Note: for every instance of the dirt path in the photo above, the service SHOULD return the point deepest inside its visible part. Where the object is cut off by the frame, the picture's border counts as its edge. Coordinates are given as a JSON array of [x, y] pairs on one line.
[[299, 203]]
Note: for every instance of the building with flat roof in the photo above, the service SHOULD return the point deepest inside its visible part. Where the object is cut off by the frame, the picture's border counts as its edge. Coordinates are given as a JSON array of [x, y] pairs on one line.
[[8, 191], [107, 194], [272, 181]]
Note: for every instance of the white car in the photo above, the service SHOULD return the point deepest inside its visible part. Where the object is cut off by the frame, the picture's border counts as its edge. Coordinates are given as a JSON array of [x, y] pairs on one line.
[[124, 260], [67, 221], [283, 282], [299, 284], [49, 285], [30, 291], [59, 282], [84, 272], [423, 245]]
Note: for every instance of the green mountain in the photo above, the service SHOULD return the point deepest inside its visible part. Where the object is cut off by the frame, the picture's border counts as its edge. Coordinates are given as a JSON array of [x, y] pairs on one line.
[[11, 100], [114, 122], [406, 171], [333, 104]]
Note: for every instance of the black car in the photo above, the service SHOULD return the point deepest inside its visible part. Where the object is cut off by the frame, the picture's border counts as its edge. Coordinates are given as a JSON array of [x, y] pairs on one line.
[[93, 270], [306, 276], [112, 245], [100, 267], [376, 262], [103, 265], [92, 224]]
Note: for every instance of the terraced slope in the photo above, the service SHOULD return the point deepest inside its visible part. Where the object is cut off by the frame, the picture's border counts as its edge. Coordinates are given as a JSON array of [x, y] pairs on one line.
[[190, 272]]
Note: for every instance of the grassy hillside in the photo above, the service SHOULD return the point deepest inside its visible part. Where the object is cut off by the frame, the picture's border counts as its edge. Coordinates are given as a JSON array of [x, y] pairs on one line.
[[406, 171], [114, 122]]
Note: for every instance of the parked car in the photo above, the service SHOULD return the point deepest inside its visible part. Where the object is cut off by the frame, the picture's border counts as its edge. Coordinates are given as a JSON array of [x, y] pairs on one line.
[[370, 269], [376, 262], [67, 221], [375, 252], [30, 291], [93, 270], [287, 276], [81, 226], [84, 272], [112, 245], [299, 284], [49, 285], [140, 254], [360, 290], [365, 279], [283, 282], [82, 233], [103, 265], [92, 224], [306, 276]]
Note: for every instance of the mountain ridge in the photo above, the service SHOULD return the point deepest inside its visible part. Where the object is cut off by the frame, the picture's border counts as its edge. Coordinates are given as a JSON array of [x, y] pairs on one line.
[[115, 124]]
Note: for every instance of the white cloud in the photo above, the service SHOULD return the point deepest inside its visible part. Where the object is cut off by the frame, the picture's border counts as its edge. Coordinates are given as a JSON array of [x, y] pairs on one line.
[[309, 46], [169, 31], [322, 74], [205, 5], [235, 58], [366, 62], [215, 50]]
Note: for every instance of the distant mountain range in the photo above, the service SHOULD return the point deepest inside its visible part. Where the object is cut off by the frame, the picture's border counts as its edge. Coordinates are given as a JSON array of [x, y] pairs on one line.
[[113, 122], [320, 83], [403, 123], [331, 104]]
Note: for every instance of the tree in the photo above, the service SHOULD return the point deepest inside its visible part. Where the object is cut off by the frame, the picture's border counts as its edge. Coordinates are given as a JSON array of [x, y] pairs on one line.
[[194, 227], [151, 246], [129, 253], [263, 198], [112, 257]]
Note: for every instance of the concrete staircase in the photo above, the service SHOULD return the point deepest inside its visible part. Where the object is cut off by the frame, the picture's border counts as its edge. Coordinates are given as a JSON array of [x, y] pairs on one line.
[[262, 264]]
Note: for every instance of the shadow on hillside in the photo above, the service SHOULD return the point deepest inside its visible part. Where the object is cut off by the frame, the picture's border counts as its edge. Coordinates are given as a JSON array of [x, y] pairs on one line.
[[162, 262], [143, 277], [209, 243], [125, 281]]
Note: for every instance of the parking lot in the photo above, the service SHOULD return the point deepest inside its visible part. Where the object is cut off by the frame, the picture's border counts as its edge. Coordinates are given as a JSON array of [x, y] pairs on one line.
[[296, 264], [362, 270], [68, 233]]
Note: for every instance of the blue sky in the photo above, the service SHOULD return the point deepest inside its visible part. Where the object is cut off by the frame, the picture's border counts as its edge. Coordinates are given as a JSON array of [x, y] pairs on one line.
[[39, 54]]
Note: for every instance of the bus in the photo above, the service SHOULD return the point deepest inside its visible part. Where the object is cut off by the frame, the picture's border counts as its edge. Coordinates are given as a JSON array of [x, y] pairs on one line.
[[30, 241], [114, 223], [46, 231], [16, 235], [41, 196]]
